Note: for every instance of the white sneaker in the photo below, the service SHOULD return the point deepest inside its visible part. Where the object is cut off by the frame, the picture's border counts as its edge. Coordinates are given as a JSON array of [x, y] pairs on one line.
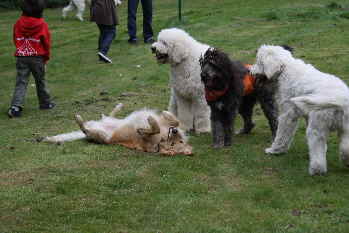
[[104, 58]]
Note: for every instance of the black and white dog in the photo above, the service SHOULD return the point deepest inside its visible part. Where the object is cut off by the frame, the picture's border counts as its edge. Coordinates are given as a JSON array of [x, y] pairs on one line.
[[229, 88]]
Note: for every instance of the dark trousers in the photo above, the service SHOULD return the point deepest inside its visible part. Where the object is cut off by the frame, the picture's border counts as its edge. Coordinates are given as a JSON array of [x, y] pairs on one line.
[[147, 7], [25, 66], [107, 34]]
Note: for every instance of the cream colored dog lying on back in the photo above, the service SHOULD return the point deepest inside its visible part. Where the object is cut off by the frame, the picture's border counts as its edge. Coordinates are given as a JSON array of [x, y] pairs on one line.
[[145, 130]]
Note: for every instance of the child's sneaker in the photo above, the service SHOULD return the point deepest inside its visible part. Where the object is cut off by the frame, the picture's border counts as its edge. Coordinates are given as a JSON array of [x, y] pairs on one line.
[[14, 111], [48, 106]]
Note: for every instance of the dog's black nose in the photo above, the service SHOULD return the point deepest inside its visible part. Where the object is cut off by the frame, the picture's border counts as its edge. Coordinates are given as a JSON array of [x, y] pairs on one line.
[[174, 131], [153, 49]]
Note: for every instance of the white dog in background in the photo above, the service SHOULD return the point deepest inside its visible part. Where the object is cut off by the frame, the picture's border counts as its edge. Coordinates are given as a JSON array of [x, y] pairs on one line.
[[79, 5], [303, 91], [187, 102]]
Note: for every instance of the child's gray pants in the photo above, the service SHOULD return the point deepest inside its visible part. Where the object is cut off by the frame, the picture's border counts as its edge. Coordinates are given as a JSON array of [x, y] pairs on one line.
[[25, 66]]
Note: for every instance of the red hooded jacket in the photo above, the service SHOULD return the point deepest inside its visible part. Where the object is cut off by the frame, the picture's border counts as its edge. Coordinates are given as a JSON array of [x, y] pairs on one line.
[[31, 37]]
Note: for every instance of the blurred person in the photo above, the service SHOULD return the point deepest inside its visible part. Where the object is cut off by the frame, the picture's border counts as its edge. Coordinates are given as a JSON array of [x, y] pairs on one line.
[[147, 7], [104, 13], [79, 5]]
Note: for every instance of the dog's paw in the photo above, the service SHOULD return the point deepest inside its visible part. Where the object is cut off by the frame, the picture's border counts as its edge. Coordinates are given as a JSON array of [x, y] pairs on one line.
[[198, 133], [246, 130], [270, 150], [79, 119], [41, 139], [119, 106], [203, 130], [317, 170]]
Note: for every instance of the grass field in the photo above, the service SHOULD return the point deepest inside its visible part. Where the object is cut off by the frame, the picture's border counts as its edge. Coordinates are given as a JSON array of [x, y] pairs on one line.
[[85, 187]]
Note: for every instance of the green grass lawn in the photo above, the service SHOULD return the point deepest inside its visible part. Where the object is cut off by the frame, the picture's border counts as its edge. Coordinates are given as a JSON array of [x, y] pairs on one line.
[[85, 187]]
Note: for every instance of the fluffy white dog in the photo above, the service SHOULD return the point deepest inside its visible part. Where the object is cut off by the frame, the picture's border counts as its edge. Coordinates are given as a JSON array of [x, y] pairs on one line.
[[303, 91], [182, 52], [79, 5]]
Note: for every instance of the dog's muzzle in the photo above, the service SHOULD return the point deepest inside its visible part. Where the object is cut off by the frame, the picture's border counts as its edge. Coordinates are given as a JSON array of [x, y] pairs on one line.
[[160, 57]]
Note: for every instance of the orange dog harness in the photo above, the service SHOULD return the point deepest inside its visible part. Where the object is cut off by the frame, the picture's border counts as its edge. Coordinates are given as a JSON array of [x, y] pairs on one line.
[[248, 82]]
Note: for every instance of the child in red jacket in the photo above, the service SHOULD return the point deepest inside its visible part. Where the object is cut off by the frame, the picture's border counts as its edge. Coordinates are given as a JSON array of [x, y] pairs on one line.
[[31, 37]]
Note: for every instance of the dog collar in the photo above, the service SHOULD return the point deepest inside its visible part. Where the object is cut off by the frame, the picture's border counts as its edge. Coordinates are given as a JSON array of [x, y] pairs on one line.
[[213, 95]]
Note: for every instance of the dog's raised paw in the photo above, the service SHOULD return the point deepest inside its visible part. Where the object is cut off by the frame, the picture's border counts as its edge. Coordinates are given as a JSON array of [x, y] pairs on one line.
[[79, 119]]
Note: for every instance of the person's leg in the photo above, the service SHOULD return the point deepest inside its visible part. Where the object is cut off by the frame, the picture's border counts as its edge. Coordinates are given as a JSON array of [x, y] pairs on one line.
[[38, 70], [131, 20], [108, 33], [100, 37], [147, 6], [23, 72]]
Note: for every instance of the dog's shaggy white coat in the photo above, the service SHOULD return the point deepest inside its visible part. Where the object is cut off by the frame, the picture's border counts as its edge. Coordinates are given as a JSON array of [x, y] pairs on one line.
[[303, 91], [79, 5], [187, 101]]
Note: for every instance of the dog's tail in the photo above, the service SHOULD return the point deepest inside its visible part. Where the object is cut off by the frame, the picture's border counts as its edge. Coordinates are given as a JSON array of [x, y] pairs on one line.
[[65, 137]]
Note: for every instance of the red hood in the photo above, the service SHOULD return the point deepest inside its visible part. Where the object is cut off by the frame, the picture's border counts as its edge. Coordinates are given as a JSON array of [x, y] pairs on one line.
[[29, 26]]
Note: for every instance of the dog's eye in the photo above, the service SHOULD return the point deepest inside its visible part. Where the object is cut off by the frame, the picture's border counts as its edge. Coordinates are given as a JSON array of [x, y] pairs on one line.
[[180, 141]]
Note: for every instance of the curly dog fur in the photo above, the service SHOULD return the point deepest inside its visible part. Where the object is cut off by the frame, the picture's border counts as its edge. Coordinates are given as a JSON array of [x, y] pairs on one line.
[[303, 91], [223, 78], [187, 102], [237, 92]]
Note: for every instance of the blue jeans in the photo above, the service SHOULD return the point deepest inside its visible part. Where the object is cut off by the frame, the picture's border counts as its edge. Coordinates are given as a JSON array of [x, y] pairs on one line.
[[107, 34], [147, 6]]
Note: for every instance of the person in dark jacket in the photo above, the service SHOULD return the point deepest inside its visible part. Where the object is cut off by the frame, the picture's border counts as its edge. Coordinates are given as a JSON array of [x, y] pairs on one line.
[[147, 7], [32, 39], [103, 12]]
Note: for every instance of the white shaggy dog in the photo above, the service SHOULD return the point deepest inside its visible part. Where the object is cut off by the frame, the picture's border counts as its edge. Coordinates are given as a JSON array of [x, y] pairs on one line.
[[182, 52], [80, 7], [303, 91]]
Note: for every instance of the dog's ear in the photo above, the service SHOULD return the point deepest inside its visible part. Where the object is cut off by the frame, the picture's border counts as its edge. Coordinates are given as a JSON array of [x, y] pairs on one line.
[[179, 51]]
